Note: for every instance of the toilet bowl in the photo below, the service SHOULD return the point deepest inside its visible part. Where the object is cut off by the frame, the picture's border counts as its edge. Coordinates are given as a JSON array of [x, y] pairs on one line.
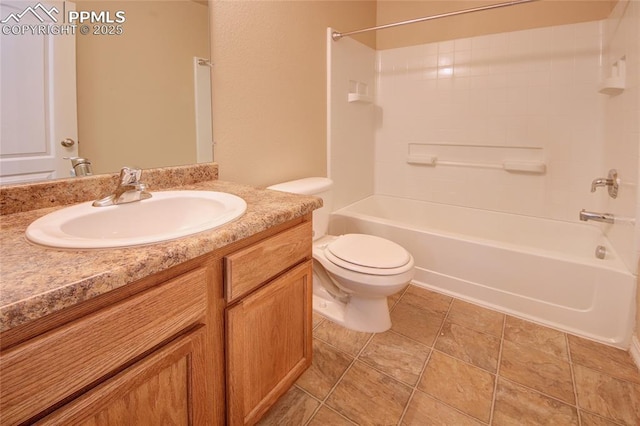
[[353, 274], [365, 283]]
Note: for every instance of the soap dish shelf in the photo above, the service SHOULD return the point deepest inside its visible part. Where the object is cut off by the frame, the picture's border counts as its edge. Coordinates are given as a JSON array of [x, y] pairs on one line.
[[359, 97]]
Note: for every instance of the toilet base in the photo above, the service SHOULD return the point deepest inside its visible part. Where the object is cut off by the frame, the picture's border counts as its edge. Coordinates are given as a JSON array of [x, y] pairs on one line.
[[359, 314]]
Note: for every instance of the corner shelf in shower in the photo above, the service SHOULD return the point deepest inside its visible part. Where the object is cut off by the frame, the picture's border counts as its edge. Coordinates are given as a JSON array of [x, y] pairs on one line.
[[615, 83], [358, 97], [359, 92]]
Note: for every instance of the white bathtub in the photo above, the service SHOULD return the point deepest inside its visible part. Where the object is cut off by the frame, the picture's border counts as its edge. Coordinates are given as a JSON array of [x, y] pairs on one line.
[[538, 269]]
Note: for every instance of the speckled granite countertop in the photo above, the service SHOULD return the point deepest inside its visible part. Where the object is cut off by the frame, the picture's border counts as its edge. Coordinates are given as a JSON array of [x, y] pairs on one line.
[[36, 281]]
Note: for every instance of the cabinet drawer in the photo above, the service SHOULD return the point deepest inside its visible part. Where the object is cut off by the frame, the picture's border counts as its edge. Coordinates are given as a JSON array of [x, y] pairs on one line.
[[246, 269], [50, 368], [166, 387]]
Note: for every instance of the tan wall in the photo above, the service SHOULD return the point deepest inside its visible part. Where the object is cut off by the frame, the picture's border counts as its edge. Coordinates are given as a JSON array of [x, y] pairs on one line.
[[519, 17], [269, 85], [142, 113]]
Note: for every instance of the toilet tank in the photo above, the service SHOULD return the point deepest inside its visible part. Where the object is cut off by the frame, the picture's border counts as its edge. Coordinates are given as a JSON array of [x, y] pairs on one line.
[[318, 187]]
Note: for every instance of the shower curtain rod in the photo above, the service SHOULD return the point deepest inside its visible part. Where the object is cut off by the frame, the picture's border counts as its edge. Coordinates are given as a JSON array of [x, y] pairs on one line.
[[337, 35]]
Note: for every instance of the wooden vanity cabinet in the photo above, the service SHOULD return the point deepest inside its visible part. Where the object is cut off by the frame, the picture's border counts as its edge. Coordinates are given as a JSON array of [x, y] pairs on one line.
[[268, 321], [139, 358], [214, 340]]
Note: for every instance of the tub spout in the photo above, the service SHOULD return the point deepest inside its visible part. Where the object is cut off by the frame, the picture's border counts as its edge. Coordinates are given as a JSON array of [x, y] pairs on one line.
[[598, 217]]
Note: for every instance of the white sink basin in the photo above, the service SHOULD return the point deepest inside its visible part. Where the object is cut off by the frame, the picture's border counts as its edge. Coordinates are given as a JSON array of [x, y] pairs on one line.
[[166, 215]]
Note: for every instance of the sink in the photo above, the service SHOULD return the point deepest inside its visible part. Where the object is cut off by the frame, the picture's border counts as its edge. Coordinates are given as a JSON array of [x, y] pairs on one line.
[[165, 216]]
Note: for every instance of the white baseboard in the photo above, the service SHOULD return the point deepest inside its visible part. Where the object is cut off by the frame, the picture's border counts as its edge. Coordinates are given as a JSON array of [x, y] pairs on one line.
[[634, 350]]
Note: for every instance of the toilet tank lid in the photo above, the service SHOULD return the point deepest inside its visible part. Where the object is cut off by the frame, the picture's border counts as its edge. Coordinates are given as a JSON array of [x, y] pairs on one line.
[[305, 186]]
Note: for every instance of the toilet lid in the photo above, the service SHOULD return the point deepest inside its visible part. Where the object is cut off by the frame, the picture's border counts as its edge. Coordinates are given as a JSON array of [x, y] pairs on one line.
[[368, 251]]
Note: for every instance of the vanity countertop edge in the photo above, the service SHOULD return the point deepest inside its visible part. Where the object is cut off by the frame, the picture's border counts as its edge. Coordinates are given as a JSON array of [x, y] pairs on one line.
[[36, 281]]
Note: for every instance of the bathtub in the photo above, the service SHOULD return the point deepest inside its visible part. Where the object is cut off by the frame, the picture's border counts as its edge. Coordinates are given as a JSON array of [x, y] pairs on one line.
[[538, 269]]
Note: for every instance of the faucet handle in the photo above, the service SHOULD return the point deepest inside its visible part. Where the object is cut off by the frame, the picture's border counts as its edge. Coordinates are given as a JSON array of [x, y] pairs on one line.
[[612, 182], [129, 176]]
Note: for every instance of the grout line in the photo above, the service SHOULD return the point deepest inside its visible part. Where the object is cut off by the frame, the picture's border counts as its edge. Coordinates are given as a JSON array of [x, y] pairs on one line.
[[573, 378], [320, 404], [543, 393], [353, 361], [365, 345], [444, 320], [497, 375], [424, 367], [606, 419], [414, 388], [355, 357], [539, 392]]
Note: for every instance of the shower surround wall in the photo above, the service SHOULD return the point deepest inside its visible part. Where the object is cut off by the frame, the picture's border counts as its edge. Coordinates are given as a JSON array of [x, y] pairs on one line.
[[622, 127], [528, 95], [351, 121], [622, 135]]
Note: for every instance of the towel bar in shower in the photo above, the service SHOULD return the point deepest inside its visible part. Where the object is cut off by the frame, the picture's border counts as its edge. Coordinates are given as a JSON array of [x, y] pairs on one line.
[[534, 167]]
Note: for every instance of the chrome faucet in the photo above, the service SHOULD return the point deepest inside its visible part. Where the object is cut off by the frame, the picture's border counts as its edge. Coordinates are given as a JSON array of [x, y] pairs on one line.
[[80, 166], [598, 217], [129, 189], [611, 181]]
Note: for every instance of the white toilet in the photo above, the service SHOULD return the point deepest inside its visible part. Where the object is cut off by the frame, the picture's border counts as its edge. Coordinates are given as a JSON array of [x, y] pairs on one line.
[[353, 273]]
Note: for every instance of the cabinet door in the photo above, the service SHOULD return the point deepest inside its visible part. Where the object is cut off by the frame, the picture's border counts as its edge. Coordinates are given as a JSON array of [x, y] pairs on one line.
[[167, 387], [63, 363], [268, 344]]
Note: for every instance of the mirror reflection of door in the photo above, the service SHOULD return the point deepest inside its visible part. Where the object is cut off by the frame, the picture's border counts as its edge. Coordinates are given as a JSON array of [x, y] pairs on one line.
[[34, 118]]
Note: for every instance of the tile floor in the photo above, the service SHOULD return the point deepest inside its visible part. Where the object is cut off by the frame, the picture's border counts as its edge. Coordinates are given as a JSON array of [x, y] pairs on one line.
[[448, 362]]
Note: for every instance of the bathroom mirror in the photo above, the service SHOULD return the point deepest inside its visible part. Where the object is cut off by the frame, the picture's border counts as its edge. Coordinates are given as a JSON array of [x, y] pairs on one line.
[[143, 96]]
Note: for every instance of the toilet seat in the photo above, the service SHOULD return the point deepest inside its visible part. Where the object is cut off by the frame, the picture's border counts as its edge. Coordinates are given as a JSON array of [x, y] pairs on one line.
[[368, 254]]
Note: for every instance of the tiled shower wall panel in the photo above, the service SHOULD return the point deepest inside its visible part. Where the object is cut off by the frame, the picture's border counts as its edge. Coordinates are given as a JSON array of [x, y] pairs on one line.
[[535, 89], [351, 127], [622, 127]]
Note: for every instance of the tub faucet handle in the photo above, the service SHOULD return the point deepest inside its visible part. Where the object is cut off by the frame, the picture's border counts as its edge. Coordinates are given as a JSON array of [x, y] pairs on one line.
[[611, 182]]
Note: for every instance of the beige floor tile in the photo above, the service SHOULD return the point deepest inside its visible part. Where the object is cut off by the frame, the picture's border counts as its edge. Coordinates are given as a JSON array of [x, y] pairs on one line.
[[293, 408], [535, 385], [590, 419], [415, 323], [609, 360], [426, 300], [316, 320], [545, 339], [369, 397], [346, 340], [538, 370], [325, 416], [458, 384], [517, 405], [329, 364], [479, 349], [476, 318], [424, 410], [393, 299], [607, 396], [396, 355]]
